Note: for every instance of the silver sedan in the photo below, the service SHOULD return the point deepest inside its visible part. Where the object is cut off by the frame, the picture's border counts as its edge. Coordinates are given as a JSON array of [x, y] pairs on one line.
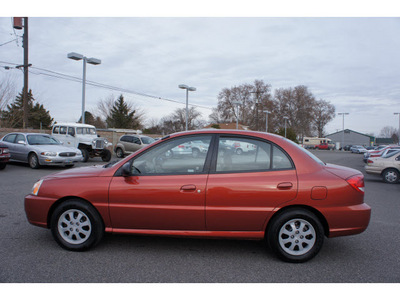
[[38, 149]]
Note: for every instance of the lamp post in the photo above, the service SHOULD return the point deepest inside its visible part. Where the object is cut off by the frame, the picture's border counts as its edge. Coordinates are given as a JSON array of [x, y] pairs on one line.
[[237, 103], [92, 61], [343, 114], [267, 112], [286, 118], [399, 125], [187, 88]]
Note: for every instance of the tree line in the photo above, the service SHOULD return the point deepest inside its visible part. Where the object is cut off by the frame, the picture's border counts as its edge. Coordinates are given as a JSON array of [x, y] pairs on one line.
[[304, 114]]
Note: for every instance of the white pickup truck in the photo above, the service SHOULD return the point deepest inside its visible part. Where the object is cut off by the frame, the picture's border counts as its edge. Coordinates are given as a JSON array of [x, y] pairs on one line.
[[83, 137]]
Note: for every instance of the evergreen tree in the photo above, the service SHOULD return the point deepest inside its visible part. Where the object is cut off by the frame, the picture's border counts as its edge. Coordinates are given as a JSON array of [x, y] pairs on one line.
[[38, 116], [122, 115]]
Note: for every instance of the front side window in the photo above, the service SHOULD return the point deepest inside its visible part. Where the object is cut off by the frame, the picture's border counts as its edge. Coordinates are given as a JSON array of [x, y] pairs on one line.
[[135, 140], [20, 138], [237, 154], [71, 131], [174, 157]]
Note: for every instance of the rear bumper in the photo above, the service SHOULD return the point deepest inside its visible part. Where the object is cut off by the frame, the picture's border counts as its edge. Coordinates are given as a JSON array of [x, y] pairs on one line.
[[347, 220]]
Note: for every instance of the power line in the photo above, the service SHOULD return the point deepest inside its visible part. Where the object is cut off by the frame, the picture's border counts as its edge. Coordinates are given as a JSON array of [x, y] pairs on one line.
[[59, 75]]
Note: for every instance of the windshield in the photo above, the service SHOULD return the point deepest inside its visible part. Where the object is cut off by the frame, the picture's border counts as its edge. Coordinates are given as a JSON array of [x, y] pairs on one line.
[[147, 140], [42, 140]]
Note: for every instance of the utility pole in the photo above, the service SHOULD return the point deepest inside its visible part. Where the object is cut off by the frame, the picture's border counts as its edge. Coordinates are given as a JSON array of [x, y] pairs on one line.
[[18, 25], [25, 45]]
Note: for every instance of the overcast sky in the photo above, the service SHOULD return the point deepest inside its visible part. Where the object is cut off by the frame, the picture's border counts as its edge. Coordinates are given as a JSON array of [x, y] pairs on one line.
[[354, 63]]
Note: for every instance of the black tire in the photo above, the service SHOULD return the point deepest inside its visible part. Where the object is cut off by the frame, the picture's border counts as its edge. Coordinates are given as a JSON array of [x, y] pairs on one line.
[[33, 161], [391, 176], [3, 166], [119, 153], [106, 155], [85, 155], [76, 225], [296, 235], [239, 151]]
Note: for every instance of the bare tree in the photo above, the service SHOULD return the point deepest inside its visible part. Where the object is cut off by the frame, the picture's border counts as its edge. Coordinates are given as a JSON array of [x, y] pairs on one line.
[[7, 93], [324, 112], [387, 132]]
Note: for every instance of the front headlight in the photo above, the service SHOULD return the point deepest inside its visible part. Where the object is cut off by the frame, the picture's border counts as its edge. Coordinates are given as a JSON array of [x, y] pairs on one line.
[[36, 187], [48, 153]]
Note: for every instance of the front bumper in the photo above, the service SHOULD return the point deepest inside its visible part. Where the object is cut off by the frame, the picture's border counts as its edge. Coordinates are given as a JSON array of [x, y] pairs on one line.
[[59, 161]]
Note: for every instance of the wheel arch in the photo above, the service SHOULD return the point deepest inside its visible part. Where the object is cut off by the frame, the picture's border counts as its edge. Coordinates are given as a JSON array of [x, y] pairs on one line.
[[316, 212], [67, 198]]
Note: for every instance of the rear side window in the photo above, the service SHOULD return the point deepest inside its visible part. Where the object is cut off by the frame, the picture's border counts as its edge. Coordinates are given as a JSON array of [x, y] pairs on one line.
[[248, 155], [63, 130], [10, 138]]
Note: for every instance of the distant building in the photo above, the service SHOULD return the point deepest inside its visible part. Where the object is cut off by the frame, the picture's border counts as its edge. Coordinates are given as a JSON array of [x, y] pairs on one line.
[[384, 141], [227, 126], [351, 137]]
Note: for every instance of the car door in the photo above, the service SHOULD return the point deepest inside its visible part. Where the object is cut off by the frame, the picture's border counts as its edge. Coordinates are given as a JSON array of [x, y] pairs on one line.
[[244, 188], [9, 141], [21, 148], [163, 192]]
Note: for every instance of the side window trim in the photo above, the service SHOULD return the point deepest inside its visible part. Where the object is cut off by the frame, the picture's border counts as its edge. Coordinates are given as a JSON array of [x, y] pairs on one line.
[[213, 167]]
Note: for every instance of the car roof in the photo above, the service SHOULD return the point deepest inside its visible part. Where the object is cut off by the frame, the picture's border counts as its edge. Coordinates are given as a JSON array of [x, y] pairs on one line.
[[74, 125]]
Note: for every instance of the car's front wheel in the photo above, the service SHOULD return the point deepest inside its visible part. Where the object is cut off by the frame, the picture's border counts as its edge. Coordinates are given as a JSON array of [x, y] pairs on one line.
[[295, 235], [33, 161], [106, 156], [76, 225]]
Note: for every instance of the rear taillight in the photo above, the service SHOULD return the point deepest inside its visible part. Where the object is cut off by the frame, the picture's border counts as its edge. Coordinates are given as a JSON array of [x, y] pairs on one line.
[[370, 161], [357, 182]]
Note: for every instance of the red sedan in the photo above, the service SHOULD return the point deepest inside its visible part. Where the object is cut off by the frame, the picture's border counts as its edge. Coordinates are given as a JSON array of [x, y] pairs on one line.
[[278, 192]]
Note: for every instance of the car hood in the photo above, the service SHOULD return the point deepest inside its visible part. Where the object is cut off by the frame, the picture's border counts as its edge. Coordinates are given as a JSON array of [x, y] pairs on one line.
[[342, 172], [53, 148], [92, 171]]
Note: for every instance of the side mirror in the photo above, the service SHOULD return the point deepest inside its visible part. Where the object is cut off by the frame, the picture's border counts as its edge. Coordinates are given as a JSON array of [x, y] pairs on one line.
[[21, 142], [126, 170]]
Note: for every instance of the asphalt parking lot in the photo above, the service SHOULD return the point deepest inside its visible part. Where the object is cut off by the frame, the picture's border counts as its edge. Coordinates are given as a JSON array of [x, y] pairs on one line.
[[29, 253]]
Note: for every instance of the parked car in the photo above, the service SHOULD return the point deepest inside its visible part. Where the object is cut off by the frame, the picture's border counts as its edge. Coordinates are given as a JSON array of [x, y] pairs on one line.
[[4, 156], [324, 146], [83, 137], [39, 149], [130, 143], [358, 149], [279, 192], [387, 166], [380, 151], [346, 148]]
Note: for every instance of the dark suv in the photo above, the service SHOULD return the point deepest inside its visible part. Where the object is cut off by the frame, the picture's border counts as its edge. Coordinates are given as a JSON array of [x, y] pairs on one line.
[[4, 156]]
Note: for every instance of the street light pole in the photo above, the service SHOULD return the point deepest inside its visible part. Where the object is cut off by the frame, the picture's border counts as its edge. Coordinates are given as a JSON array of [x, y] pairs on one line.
[[237, 103], [92, 61], [187, 88], [266, 119], [343, 114], [399, 125], [285, 124]]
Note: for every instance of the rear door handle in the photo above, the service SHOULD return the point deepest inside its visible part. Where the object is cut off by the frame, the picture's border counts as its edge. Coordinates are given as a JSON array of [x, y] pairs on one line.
[[188, 188], [285, 186]]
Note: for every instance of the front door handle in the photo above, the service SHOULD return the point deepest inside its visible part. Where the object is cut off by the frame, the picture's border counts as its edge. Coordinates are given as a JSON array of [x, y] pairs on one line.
[[285, 186], [188, 188]]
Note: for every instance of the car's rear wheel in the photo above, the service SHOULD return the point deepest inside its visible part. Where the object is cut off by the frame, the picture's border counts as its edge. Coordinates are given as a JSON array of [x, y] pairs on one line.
[[391, 176], [295, 235], [119, 153], [3, 166], [76, 225], [33, 161], [85, 154]]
